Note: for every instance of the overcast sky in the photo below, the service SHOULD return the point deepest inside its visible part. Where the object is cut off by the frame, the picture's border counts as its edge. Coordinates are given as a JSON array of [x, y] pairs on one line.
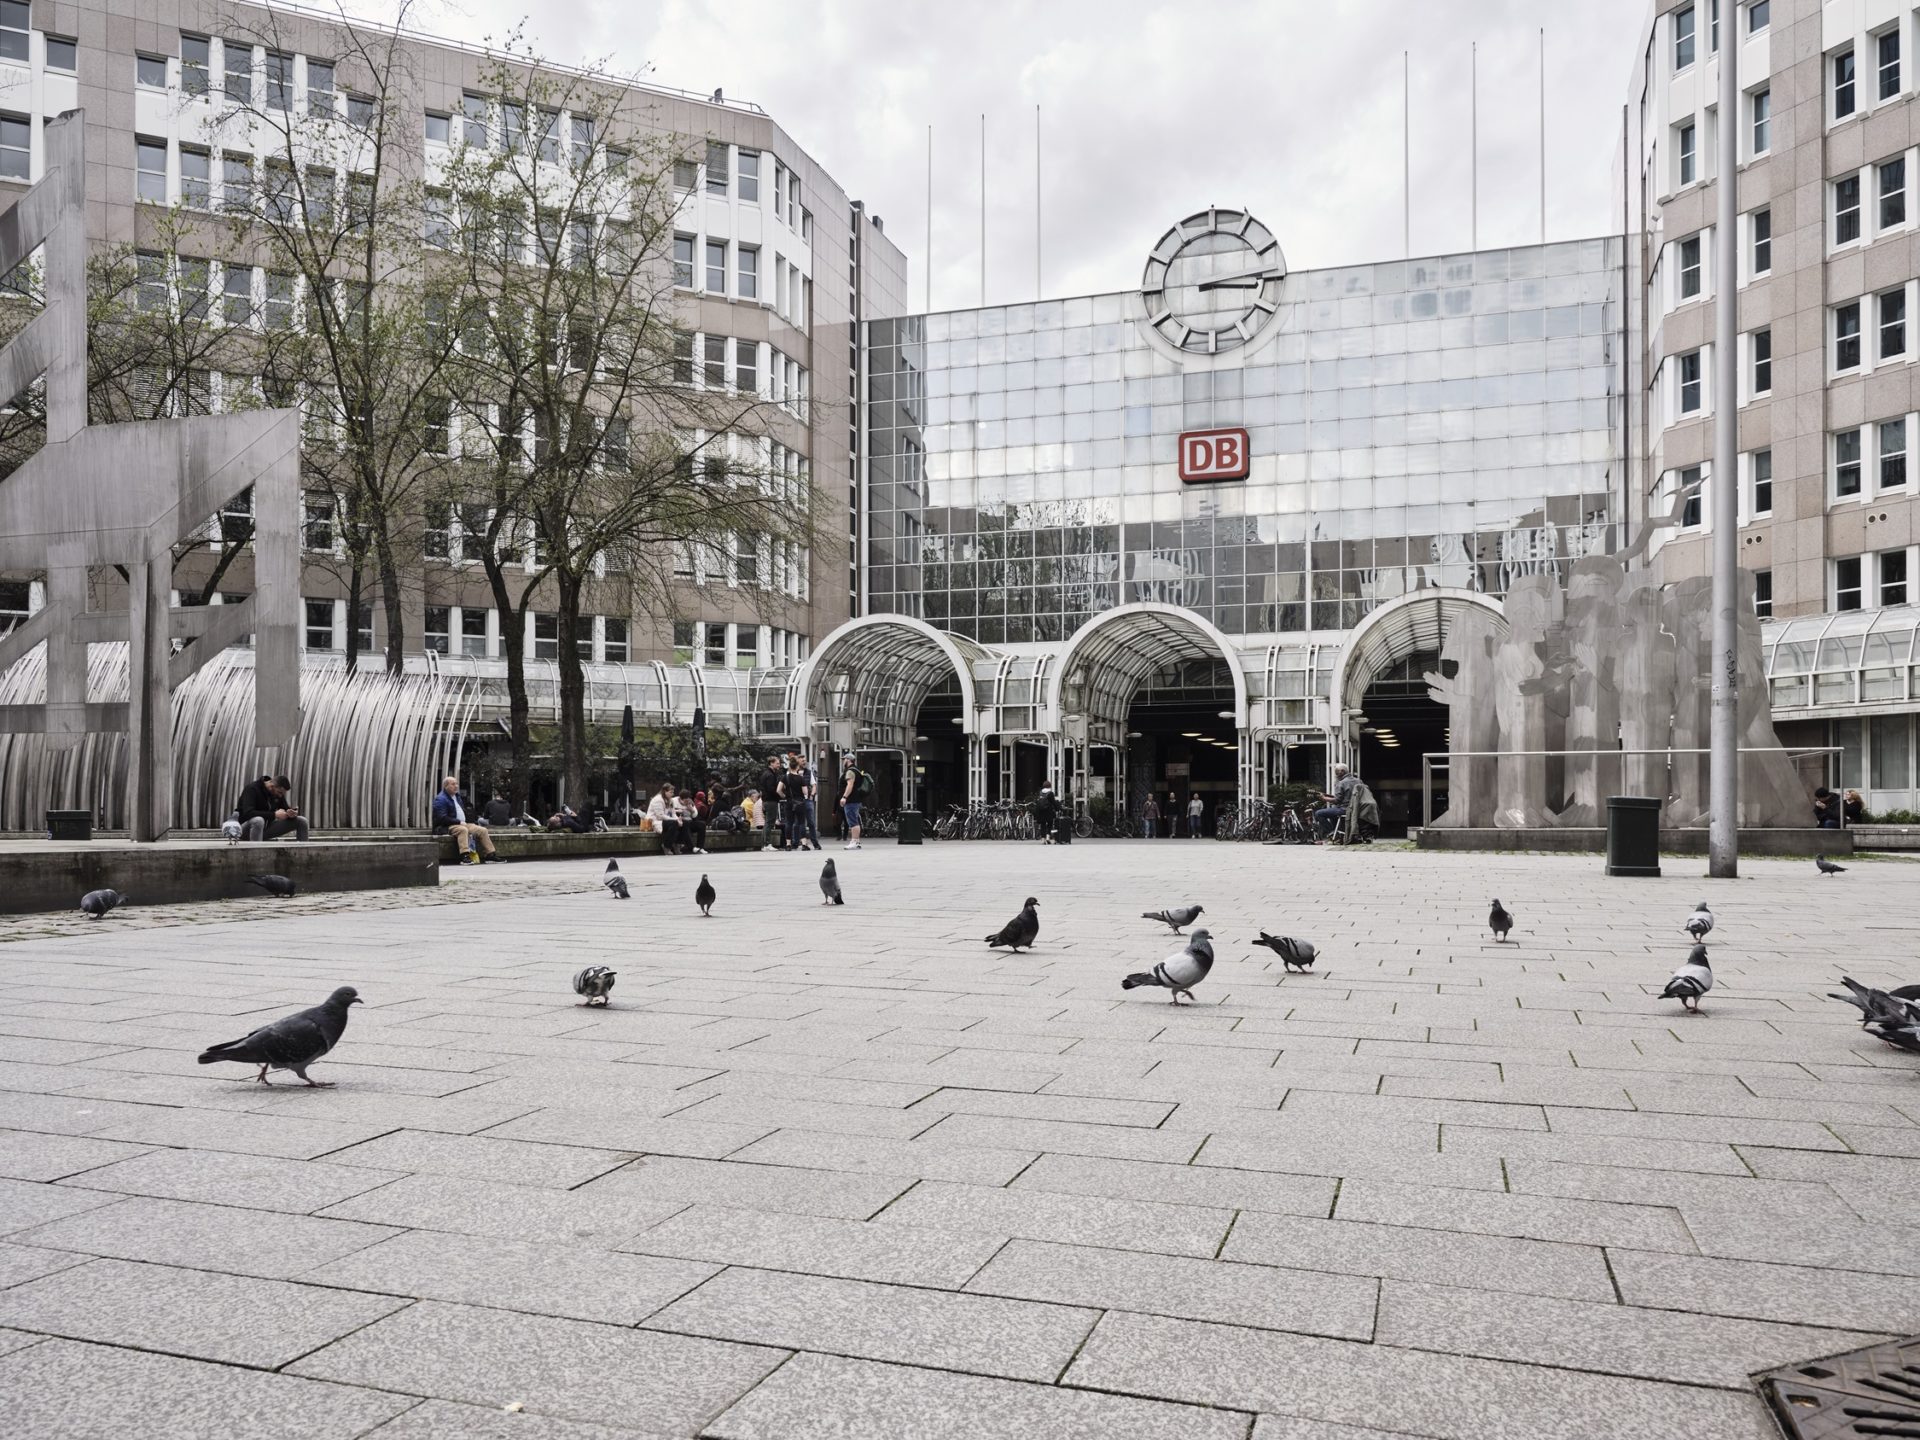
[[1150, 110]]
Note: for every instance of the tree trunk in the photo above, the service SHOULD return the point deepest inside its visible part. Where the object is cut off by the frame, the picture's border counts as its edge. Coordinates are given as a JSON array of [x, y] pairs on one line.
[[356, 581], [573, 688], [513, 632], [390, 597]]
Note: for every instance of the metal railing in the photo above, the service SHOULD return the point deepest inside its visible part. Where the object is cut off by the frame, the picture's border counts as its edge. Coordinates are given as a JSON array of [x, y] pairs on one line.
[[1444, 759]]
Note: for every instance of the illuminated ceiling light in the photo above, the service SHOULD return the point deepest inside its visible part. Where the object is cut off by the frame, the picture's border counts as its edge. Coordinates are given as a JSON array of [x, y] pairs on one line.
[[1191, 735]]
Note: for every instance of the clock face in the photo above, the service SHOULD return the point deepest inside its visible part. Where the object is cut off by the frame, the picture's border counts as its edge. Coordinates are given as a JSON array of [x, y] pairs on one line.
[[1213, 282]]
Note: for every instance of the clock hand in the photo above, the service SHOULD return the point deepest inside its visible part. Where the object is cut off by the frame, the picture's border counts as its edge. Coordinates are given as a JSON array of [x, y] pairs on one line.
[[1229, 284], [1257, 275]]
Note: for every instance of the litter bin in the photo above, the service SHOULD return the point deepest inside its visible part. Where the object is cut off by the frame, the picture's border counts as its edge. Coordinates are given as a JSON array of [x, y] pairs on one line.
[[911, 827], [1633, 835], [1063, 828], [69, 824]]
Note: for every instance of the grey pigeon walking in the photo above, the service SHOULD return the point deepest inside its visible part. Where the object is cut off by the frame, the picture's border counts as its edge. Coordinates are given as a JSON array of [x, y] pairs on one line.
[[1827, 867], [1179, 917], [1700, 924], [1499, 920], [615, 881], [704, 895], [230, 827], [594, 982], [1180, 971], [98, 902], [1021, 931], [1294, 954], [281, 885], [830, 886], [1887, 1006], [293, 1042], [1691, 980]]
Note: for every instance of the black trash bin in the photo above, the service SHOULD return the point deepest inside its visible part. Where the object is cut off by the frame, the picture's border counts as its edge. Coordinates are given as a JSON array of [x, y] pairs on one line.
[[1063, 828], [912, 827], [69, 824], [1633, 835]]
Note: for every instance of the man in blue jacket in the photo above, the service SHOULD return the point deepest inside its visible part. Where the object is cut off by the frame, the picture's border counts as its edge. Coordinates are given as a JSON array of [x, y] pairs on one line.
[[452, 817]]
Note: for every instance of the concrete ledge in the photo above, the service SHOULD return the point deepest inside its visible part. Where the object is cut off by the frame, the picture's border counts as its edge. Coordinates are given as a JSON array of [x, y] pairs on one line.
[[523, 844], [1585, 840], [41, 875], [1885, 837]]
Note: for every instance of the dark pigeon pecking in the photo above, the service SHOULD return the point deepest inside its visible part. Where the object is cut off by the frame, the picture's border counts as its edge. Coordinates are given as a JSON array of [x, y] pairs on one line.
[[1827, 867], [1020, 932], [1179, 917], [830, 886], [1700, 924], [1691, 980], [293, 1042], [1294, 954], [594, 982], [98, 902], [1886, 1006], [704, 895], [1499, 920], [280, 885], [1180, 971], [615, 881]]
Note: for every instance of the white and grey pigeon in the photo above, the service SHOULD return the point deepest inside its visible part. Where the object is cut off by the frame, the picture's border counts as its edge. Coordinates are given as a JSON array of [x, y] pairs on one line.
[[292, 1042], [594, 982], [1294, 954], [1691, 980], [98, 902], [1499, 920], [1180, 971], [1178, 916], [230, 827], [1700, 924], [830, 886], [1827, 867], [614, 880]]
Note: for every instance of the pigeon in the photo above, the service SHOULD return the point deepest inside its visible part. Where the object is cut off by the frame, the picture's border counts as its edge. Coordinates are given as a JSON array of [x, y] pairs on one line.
[[704, 896], [230, 827], [280, 885], [1881, 1005], [1294, 954], [293, 1042], [1179, 917], [1499, 920], [1180, 971], [594, 982], [98, 902], [615, 881], [1827, 867], [1020, 932], [1691, 980], [1700, 924], [830, 886], [1902, 1035]]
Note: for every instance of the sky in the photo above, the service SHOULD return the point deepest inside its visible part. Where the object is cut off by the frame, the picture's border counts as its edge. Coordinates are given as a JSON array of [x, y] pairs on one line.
[[1149, 111]]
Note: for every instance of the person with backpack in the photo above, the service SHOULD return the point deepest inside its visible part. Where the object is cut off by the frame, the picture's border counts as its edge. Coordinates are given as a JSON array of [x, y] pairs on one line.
[[856, 786]]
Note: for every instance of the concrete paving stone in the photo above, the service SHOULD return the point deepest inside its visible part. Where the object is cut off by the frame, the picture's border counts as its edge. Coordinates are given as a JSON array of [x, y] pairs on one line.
[[1863, 1299], [20, 1263], [1041, 1215], [1292, 1427], [444, 1420], [35, 1155], [820, 1245], [824, 1397], [25, 1204], [66, 1115], [1379, 1108], [481, 1157], [569, 1369], [1805, 1199], [640, 1135], [869, 1155], [765, 1112], [1021, 1105], [1329, 1156], [1608, 1338], [576, 1282], [837, 1088], [1063, 1137], [1210, 1185], [1903, 1140], [12, 1340], [162, 1397], [1643, 1153], [1390, 1388], [287, 1136], [1527, 1217], [255, 1182], [663, 1179], [1309, 1302], [947, 1330], [239, 1320], [594, 1216], [449, 1114], [264, 1243], [339, 1067], [32, 1051], [1731, 1130], [967, 1070], [1398, 1252]]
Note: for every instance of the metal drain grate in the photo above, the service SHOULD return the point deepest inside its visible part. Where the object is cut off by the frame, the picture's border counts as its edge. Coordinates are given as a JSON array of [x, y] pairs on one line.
[[1875, 1392]]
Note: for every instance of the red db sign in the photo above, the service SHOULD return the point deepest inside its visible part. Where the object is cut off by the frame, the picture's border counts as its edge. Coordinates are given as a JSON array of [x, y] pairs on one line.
[[1213, 455]]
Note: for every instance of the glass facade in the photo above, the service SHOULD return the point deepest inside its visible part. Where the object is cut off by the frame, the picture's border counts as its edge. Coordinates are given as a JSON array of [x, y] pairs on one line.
[[1451, 422]]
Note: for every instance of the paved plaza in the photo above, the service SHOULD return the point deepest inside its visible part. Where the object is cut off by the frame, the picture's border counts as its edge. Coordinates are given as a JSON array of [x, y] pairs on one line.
[[845, 1173]]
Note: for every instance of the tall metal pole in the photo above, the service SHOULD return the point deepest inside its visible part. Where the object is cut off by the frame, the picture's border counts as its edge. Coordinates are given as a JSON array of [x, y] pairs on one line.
[[1475, 145], [929, 304], [1543, 134], [1723, 826], [1406, 153], [1036, 202], [983, 208]]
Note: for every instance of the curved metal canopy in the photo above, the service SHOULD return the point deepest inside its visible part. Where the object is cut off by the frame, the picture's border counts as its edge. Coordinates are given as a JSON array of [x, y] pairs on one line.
[[1409, 625], [1110, 657], [876, 671]]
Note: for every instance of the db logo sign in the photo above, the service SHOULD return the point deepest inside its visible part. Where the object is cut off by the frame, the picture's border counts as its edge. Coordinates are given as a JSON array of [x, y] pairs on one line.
[[1213, 455]]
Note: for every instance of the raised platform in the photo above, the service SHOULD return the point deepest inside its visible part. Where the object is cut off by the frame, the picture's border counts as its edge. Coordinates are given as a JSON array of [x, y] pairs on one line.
[[42, 875], [522, 844], [1885, 837], [1593, 840]]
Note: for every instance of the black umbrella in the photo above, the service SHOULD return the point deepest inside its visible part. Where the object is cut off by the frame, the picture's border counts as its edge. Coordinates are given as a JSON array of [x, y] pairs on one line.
[[699, 744], [626, 755]]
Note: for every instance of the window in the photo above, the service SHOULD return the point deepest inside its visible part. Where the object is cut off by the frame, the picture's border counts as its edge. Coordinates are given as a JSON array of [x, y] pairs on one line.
[[1689, 481], [1690, 388], [746, 558], [546, 636], [615, 644], [279, 307], [473, 109], [365, 627], [1713, 27], [716, 647], [746, 367], [438, 229], [1843, 103], [750, 177], [1762, 361], [319, 198], [279, 81], [320, 96], [196, 178], [196, 62], [1846, 583], [436, 634], [1893, 192], [359, 202], [1683, 37], [1762, 241], [150, 281], [686, 175], [549, 146], [360, 112], [1763, 482], [277, 195], [714, 372], [1846, 210], [616, 444], [717, 266], [236, 182], [1893, 453], [1762, 121], [1893, 323], [683, 260], [513, 127], [439, 128], [1846, 336], [1686, 151], [749, 272], [436, 539], [1846, 462], [779, 191], [1893, 577], [683, 357], [1689, 267], [16, 603], [150, 71], [1886, 47], [686, 635], [62, 54], [319, 629], [582, 150], [236, 289], [617, 159], [438, 424], [1763, 594], [196, 287], [473, 632], [716, 168], [580, 242], [316, 531], [150, 178], [239, 71]]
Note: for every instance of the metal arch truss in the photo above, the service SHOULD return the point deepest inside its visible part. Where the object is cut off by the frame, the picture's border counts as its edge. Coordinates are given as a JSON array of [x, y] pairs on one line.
[[864, 685]]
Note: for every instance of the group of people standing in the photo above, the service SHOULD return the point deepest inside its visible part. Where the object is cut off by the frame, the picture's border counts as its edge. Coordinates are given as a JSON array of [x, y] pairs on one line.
[[785, 801], [1151, 816]]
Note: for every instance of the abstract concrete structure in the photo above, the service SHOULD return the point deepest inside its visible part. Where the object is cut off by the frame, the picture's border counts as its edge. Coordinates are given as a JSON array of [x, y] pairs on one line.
[[125, 495]]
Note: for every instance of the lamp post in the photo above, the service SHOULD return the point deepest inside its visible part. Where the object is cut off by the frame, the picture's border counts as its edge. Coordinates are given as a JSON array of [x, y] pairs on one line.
[[1723, 832]]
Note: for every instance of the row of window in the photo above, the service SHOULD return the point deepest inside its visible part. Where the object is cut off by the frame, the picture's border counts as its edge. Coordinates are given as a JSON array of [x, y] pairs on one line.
[[1863, 461], [727, 268], [1852, 219], [725, 362], [485, 123], [246, 74], [319, 195], [471, 630], [1880, 579], [1685, 24], [1843, 70], [730, 645], [734, 172]]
